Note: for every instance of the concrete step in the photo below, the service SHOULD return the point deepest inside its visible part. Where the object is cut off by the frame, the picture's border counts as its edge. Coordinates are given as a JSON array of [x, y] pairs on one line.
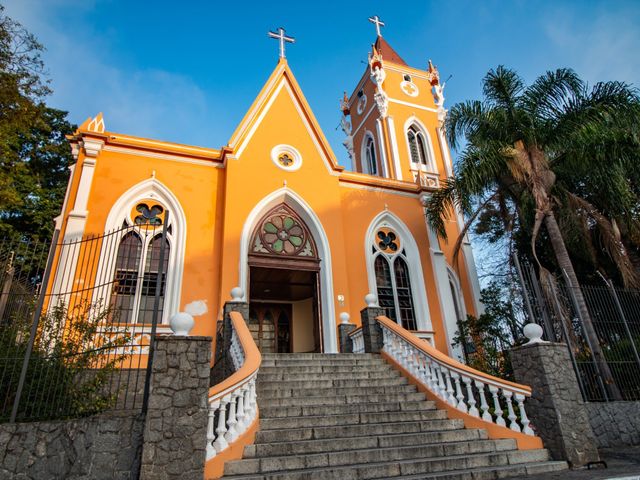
[[338, 399], [351, 419], [259, 450], [315, 369], [492, 473], [329, 383], [319, 356], [299, 462], [333, 409], [394, 467], [336, 391], [359, 430], [294, 375]]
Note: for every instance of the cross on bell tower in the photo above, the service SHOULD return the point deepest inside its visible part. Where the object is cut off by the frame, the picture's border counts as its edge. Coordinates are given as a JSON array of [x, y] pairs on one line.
[[379, 23], [282, 39]]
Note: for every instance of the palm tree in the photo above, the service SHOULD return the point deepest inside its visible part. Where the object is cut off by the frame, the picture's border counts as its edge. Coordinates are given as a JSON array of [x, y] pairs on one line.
[[521, 143]]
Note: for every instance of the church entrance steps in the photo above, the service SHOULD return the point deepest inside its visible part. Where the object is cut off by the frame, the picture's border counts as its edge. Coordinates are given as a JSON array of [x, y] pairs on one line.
[[291, 411], [342, 399], [355, 417]]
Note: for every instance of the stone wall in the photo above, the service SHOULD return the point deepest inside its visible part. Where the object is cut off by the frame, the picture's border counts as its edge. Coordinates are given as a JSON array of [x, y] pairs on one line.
[[556, 409], [175, 433], [105, 446], [615, 424]]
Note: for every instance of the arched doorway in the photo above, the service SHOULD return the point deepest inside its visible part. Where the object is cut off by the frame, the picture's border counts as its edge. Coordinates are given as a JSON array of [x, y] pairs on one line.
[[284, 294]]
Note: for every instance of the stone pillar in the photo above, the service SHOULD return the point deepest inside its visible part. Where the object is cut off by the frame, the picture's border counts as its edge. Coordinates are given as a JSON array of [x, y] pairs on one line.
[[556, 409], [371, 331], [175, 430], [344, 329]]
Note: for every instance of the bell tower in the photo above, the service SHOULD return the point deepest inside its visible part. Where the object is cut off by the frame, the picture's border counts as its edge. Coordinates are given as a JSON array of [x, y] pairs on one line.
[[393, 119]]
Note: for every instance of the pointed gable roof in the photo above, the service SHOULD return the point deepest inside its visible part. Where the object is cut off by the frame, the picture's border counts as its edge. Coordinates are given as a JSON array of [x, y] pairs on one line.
[[388, 53], [281, 77]]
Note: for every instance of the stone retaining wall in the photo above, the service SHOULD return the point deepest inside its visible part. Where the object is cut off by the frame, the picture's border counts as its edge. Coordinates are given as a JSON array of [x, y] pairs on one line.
[[105, 446], [615, 424]]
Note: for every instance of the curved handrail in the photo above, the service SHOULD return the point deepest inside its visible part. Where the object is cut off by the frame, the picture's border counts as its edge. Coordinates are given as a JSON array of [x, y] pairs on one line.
[[233, 404], [453, 382]]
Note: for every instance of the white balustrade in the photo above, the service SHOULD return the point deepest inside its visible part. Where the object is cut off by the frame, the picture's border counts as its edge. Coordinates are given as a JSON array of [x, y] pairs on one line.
[[357, 341], [233, 409], [455, 384]]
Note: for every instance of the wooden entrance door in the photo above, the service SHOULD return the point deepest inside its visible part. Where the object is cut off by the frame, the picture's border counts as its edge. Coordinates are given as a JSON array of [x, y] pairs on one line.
[[270, 325]]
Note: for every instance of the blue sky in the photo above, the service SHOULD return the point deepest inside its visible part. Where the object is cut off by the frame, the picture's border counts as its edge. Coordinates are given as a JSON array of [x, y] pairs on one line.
[[188, 71]]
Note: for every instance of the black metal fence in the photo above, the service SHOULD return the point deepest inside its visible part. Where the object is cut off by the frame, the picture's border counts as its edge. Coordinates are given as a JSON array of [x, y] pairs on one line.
[[615, 315], [78, 320]]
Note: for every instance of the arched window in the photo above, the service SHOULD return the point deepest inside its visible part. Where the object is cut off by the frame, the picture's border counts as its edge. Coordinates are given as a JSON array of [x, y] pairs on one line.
[[370, 162], [417, 147], [139, 272], [392, 279]]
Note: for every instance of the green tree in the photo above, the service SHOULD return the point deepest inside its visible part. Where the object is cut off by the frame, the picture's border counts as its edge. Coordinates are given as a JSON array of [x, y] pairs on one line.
[[522, 142], [34, 154]]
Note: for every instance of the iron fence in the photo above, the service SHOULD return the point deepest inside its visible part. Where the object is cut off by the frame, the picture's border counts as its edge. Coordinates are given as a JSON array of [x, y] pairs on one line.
[[78, 319], [615, 315]]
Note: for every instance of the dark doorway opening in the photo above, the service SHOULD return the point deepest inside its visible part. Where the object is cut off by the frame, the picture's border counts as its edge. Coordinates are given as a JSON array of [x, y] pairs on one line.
[[284, 309]]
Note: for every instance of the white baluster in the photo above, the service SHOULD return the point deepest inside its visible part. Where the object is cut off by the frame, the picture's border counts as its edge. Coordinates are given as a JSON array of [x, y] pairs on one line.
[[470, 398], [484, 406], [240, 414], [231, 423], [523, 415], [513, 425], [451, 398], [496, 406], [459, 395], [442, 389], [427, 373], [211, 435], [221, 442]]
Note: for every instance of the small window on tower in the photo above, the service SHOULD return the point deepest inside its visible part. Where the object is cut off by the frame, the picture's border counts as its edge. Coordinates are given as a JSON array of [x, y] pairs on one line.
[[360, 93], [407, 77]]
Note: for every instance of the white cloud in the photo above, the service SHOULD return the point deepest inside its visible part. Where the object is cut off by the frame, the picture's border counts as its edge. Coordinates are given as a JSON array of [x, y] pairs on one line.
[[600, 46], [151, 103]]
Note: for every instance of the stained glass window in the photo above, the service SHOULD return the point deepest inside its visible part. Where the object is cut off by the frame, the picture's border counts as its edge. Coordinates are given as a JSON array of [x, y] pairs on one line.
[[282, 233], [417, 146], [370, 157], [393, 280]]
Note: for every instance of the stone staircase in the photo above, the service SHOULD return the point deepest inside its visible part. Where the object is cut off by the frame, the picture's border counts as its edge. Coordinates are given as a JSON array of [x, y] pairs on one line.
[[355, 417]]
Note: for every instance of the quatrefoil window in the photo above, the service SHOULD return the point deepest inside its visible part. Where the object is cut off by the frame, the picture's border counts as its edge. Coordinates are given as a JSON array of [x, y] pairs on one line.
[[148, 215], [387, 241], [285, 160]]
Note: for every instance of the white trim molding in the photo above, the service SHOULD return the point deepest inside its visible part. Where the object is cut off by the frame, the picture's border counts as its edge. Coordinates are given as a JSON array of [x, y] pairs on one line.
[[309, 216], [418, 289]]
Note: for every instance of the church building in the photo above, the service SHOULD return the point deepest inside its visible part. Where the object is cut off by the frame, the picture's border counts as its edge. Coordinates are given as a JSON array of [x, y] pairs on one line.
[[273, 212]]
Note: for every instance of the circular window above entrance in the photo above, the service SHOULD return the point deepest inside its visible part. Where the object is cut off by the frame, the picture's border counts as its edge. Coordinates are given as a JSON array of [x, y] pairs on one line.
[[286, 157], [282, 233]]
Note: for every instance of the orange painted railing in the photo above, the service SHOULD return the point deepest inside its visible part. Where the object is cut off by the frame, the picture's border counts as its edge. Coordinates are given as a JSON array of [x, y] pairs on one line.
[[233, 407], [459, 388]]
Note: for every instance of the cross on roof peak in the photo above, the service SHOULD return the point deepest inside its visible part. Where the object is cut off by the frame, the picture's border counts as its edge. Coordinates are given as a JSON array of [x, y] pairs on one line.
[[282, 39], [378, 23]]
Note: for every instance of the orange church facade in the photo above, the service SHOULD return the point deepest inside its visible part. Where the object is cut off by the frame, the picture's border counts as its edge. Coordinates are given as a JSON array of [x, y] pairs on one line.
[[272, 212]]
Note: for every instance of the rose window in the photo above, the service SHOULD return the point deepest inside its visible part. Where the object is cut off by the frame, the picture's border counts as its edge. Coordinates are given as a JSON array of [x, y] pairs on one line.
[[283, 234]]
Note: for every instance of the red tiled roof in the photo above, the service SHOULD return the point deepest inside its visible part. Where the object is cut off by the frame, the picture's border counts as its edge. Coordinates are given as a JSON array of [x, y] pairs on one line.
[[388, 53]]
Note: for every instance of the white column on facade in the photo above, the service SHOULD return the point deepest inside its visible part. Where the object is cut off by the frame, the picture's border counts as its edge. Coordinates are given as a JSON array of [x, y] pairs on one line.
[[382, 149], [445, 298], [393, 141], [467, 250]]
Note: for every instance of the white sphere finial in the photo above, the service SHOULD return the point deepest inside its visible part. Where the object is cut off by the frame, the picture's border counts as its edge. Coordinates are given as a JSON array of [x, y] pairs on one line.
[[236, 294], [371, 300], [344, 318], [533, 332], [181, 323]]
